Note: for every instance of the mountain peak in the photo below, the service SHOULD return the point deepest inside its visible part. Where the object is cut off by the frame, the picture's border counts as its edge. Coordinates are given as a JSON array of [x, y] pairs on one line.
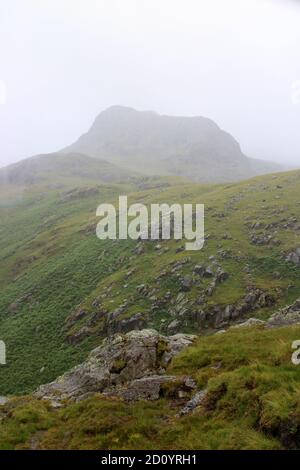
[[194, 147]]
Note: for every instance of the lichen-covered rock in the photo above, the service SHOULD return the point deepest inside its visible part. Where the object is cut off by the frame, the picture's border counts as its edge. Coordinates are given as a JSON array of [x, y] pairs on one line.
[[120, 360], [249, 322], [286, 316], [294, 256], [195, 401], [155, 387]]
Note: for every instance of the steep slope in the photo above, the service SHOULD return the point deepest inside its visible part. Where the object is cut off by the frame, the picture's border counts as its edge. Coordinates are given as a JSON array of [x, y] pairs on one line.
[[194, 147], [63, 290]]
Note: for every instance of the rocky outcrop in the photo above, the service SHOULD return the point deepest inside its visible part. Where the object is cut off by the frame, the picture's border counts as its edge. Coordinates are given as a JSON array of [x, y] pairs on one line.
[[286, 316], [294, 256], [249, 322], [216, 317], [121, 361], [115, 325], [193, 147], [193, 403], [155, 387]]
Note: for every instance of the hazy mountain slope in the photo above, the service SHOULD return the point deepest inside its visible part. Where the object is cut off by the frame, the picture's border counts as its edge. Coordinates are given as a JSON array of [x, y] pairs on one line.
[[55, 167], [63, 290], [194, 147], [264, 166]]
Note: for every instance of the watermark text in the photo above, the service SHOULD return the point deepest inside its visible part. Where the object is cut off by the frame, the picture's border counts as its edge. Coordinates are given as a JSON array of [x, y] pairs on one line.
[[2, 353], [162, 222]]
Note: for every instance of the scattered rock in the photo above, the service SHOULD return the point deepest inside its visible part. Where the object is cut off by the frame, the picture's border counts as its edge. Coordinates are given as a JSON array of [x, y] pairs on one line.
[[173, 327], [115, 325], [186, 283], [209, 272], [139, 249], [155, 387], [294, 256], [221, 276], [193, 403], [249, 322], [286, 316], [200, 270]]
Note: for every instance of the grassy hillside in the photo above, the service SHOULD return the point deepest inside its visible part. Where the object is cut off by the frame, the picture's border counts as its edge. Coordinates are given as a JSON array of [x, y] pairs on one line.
[[60, 285], [252, 402]]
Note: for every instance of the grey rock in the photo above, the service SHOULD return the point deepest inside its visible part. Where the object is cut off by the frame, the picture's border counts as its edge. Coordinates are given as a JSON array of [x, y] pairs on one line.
[[249, 322], [139, 249], [294, 256], [209, 272], [173, 327], [115, 325], [75, 317], [286, 316], [195, 401], [221, 275], [186, 283], [152, 388], [120, 360], [200, 270]]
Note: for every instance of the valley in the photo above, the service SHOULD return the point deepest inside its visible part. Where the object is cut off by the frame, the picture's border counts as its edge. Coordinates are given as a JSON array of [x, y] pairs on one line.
[[65, 294]]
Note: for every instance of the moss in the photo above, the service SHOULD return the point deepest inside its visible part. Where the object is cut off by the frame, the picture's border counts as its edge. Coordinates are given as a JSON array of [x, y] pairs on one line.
[[118, 366], [252, 402], [171, 390], [161, 348]]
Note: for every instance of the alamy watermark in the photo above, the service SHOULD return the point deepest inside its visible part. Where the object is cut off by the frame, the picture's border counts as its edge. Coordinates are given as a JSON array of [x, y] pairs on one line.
[[296, 353], [162, 222], [2, 353]]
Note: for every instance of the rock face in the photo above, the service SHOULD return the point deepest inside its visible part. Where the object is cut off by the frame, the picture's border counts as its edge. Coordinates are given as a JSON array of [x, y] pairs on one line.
[[217, 317], [250, 322], [154, 387], [118, 364], [286, 316]]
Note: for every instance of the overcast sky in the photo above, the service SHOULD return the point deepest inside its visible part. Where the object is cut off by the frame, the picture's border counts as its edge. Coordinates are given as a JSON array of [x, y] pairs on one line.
[[64, 61]]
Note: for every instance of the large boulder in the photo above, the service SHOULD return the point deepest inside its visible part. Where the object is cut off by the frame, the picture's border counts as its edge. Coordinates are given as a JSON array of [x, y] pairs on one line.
[[120, 360], [286, 316], [155, 387], [294, 256]]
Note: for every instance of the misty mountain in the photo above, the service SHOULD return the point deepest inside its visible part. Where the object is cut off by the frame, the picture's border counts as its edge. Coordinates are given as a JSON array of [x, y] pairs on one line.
[[57, 167], [194, 147]]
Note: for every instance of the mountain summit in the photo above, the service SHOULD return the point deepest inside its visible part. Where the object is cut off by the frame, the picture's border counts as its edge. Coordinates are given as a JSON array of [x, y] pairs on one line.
[[194, 147]]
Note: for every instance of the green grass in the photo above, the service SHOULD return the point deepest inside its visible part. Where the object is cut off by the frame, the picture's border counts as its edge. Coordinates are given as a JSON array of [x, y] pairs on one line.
[[252, 402], [48, 248]]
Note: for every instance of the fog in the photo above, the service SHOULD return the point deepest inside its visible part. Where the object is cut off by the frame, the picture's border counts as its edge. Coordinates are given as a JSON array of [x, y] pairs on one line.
[[64, 61]]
